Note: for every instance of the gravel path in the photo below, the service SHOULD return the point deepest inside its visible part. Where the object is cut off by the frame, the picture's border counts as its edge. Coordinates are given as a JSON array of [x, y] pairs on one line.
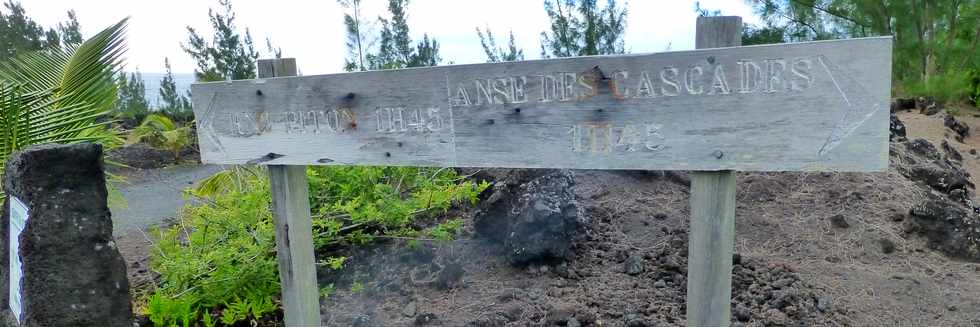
[[154, 195]]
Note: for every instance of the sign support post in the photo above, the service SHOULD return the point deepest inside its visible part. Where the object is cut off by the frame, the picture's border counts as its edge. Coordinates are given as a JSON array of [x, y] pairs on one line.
[[294, 227], [711, 240]]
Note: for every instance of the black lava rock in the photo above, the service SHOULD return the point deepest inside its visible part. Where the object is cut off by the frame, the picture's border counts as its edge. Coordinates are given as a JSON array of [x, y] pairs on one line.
[[73, 275], [536, 221]]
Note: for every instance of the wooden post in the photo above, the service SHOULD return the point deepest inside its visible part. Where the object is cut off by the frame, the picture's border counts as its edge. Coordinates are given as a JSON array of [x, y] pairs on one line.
[[712, 234], [294, 229]]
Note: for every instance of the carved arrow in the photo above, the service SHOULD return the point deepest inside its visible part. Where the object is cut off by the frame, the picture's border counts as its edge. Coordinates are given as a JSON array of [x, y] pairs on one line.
[[206, 124], [858, 106]]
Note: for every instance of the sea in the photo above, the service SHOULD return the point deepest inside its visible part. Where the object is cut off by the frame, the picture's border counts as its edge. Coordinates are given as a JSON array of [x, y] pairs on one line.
[[152, 81]]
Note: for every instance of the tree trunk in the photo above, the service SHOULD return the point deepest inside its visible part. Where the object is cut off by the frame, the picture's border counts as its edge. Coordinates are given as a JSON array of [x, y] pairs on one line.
[[954, 15], [919, 19], [929, 45]]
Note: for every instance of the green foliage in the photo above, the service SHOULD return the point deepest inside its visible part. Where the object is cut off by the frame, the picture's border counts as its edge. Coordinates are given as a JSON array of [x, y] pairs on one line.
[[359, 39], [445, 231], [60, 95], [228, 55], [352, 200], [327, 291], [131, 108], [174, 105], [580, 28], [394, 49], [753, 35], [20, 34], [160, 132], [498, 54], [948, 87], [242, 310], [357, 287], [236, 178], [220, 258], [335, 263], [934, 40]]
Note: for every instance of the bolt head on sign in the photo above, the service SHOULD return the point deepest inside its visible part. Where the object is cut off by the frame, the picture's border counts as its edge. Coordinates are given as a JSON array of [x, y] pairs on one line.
[[814, 106]]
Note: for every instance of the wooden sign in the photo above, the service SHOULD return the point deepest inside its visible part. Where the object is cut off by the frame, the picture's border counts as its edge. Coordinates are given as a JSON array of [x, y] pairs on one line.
[[806, 106], [790, 107]]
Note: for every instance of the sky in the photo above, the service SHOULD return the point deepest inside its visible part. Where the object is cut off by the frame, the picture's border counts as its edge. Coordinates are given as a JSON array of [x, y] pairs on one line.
[[313, 31]]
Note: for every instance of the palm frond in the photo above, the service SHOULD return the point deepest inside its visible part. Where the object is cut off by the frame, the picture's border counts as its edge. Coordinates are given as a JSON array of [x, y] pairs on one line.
[[61, 95], [235, 178]]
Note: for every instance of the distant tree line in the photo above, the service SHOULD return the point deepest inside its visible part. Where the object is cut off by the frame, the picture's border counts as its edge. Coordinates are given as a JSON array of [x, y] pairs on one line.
[[935, 50], [19, 33]]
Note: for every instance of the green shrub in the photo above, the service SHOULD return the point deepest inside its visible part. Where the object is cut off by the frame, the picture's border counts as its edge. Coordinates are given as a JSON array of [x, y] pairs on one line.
[[162, 133], [217, 265], [952, 87], [350, 201], [220, 256]]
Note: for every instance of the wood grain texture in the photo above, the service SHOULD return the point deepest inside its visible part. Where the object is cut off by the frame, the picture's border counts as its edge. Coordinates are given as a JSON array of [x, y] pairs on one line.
[[294, 228], [718, 32], [711, 240], [816, 106], [710, 248], [282, 67], [294, 245]]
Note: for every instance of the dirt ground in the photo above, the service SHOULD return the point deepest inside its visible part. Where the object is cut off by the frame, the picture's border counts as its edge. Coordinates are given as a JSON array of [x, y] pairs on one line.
[[782, 221], [795, 267]]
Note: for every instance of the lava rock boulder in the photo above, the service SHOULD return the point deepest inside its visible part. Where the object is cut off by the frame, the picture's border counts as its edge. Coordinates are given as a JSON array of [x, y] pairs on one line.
[[896, 129], [73, 274], [535, 220], [949, 227]]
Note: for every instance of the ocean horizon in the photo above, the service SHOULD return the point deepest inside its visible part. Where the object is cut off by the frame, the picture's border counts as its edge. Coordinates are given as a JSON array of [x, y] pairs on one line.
[[152, 82]]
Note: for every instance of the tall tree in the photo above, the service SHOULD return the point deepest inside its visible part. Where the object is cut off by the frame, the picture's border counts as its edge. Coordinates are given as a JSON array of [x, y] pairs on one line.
[[358, 36], [173, 104], [395, 48], [131, 106], [229, 54], [70, 31], [499, 54], [933, 38], [580, 28], [426, 53], [19, 33]]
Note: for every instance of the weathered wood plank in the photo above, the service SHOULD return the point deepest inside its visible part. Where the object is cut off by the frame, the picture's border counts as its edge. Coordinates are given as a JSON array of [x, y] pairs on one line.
[[294, 245], [805, 106], [282, 67], [711, 244], [294, 228], [711, 241]]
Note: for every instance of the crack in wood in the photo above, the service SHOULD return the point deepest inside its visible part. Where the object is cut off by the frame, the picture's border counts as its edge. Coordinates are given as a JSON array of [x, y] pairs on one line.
[[266, 158]]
